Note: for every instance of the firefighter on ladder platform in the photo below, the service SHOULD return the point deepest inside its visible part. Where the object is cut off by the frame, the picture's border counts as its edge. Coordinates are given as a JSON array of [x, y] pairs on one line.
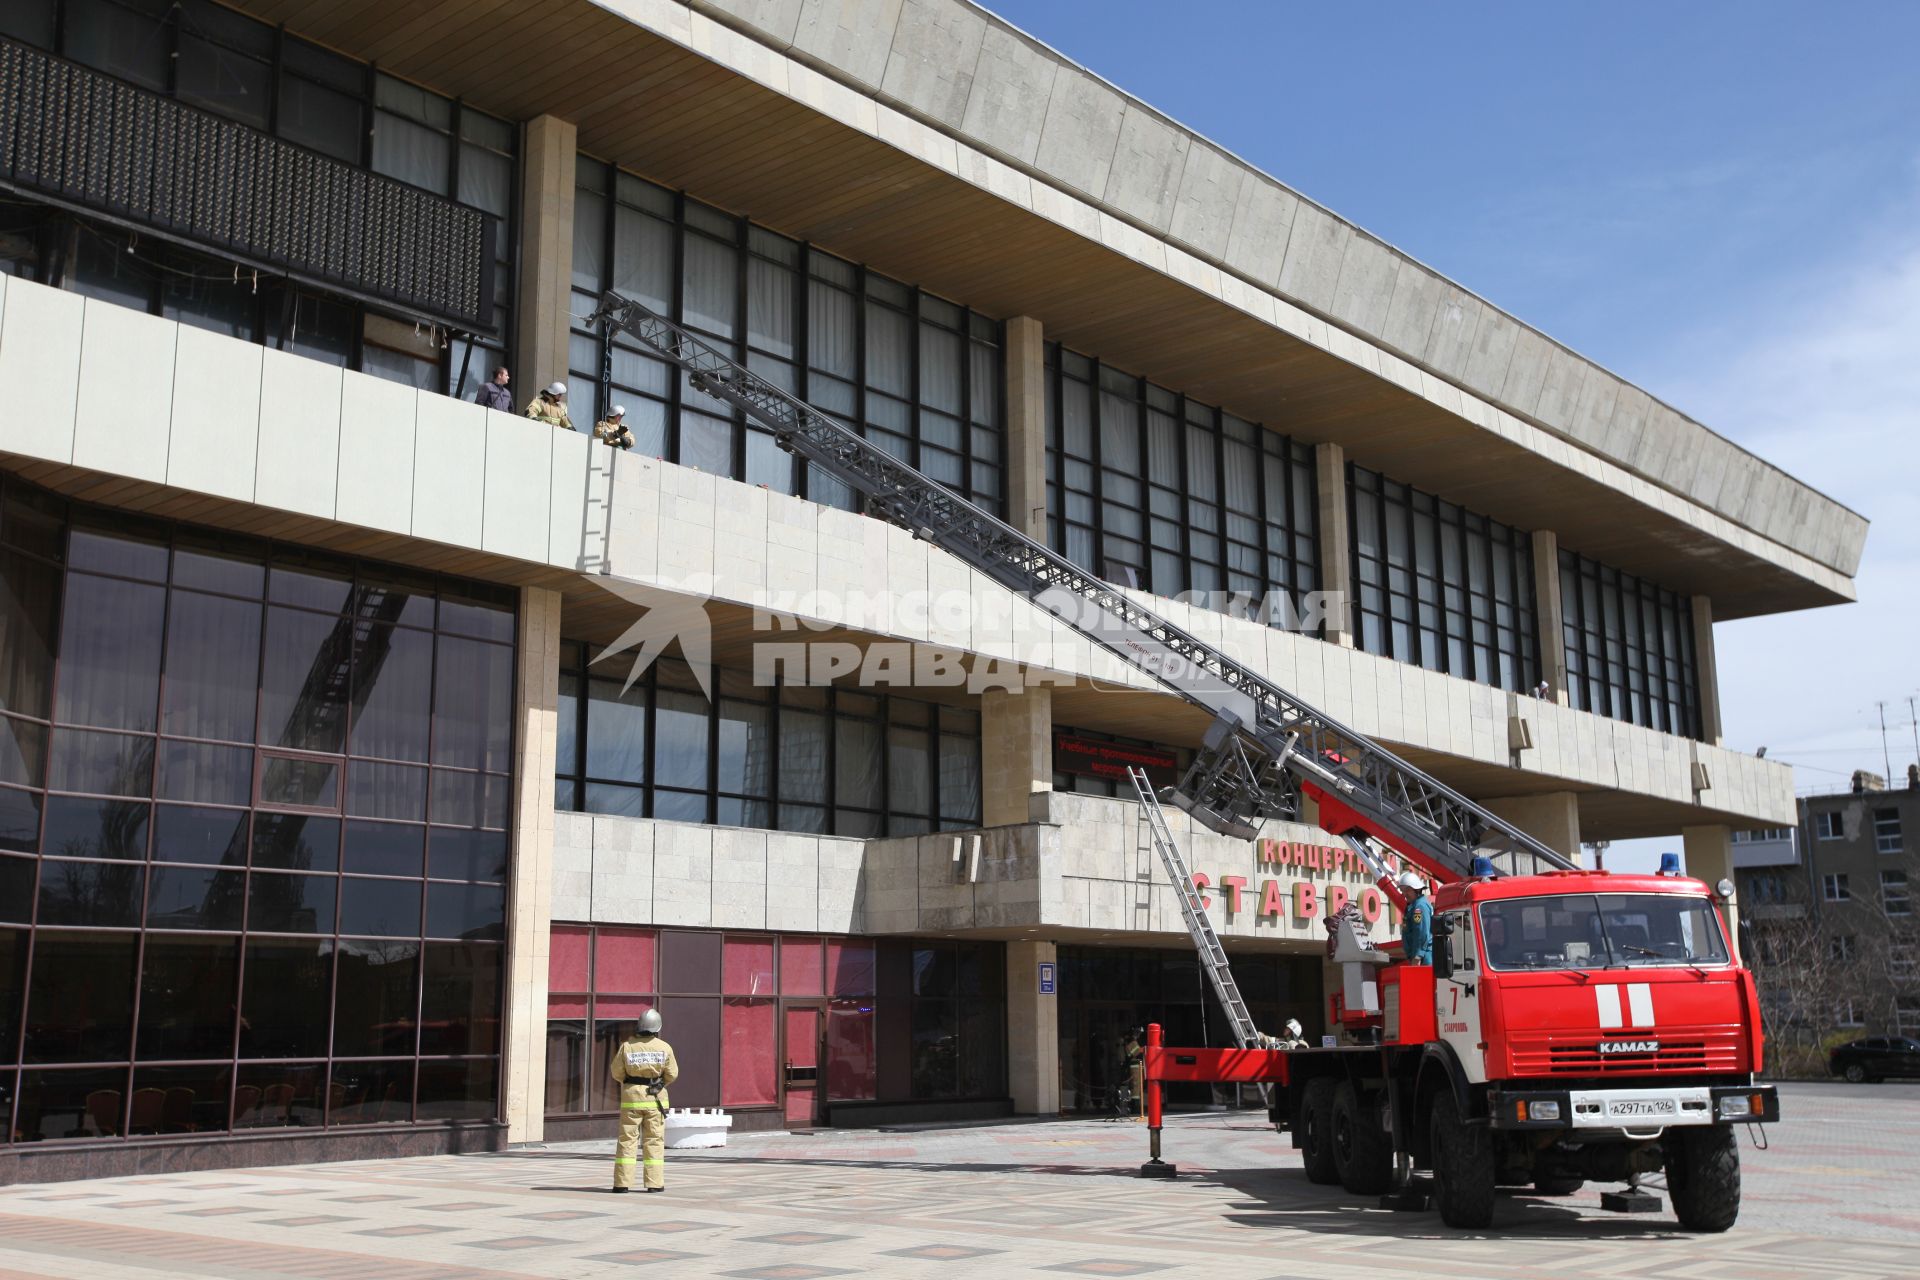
[[1416, 922], [643, 1067]]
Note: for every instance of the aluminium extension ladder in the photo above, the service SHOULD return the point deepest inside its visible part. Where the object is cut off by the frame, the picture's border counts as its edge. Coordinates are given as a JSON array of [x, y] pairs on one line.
[[1213, 957]]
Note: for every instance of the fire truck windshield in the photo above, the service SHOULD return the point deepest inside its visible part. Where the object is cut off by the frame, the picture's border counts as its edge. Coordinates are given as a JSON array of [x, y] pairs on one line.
[[1600, 931]]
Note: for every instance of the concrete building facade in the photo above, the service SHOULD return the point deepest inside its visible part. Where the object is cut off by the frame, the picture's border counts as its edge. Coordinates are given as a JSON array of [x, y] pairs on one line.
[[856, 832]]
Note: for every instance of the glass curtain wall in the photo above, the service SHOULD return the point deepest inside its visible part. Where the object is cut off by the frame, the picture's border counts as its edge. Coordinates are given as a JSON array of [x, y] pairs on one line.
[[1440, 586], [1630, 652], [789, 757], [916, 374], [223, 61], [253, 845], [1150, 489]]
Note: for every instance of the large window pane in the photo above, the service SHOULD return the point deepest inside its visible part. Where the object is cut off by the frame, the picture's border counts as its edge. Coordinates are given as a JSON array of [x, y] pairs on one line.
[[80, 1005], [616, 731], [278, 1096], [77, 828], [287, 990], [110, 653], [99, 894], [29, 598], [281, 903], [460, 999], [680, 737], [213, 663], [199, 899], [376, 998], [749, 1048], [303, 694], [458, 1090], [370, 1093], [188, 996], [473, 705], [392, 682], [89, 1103]]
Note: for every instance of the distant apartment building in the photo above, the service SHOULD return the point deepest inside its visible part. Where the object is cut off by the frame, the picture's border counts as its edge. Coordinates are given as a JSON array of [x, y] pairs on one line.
[[1835, 937]]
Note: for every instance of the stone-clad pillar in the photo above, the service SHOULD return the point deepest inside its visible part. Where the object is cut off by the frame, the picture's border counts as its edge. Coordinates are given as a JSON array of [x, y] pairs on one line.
[[1552, 818], [530, 910], [546, 255], [1709, 854], [1336, 542], [1706, 670], [1016, 752], [1033, 1031], [1026, 373], [1549, 612]]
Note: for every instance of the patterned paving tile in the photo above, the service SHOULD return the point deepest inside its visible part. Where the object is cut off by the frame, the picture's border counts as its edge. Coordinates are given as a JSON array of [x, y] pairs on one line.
[[941, 1252], [311, 1220], [370, 1198], [457, 1206], [218, 1211], [142, 1204], [1107, 1267], [508, 1244], [560, 1215], [636, 1257], [787, 1271], [797, 1237], [671, 1228], [405, 1229]]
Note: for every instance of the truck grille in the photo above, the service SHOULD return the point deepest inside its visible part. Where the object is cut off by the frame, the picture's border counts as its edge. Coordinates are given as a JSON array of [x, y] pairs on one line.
[[1578, 1054]]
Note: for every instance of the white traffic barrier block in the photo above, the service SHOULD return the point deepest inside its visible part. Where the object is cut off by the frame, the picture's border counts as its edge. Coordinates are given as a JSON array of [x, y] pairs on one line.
[[689, 1127]]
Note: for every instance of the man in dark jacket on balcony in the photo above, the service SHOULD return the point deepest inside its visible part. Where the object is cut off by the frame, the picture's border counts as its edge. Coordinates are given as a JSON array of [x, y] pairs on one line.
[[493, 393]]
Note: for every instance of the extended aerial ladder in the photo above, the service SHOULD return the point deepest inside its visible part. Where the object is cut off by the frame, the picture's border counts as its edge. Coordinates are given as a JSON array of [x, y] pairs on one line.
[[1261, 736]]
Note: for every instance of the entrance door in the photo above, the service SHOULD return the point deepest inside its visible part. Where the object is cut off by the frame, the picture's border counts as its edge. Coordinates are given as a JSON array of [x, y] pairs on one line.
[[800, 1077]]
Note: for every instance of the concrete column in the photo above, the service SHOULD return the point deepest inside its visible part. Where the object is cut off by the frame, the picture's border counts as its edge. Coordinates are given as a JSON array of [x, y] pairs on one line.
[[1336, 542], [1026, 371], [546, 254], [1709, 855], [530, 915], [1033, 1032], [1016, 753], [1553, 819], [1706, 670], [1549, 615]]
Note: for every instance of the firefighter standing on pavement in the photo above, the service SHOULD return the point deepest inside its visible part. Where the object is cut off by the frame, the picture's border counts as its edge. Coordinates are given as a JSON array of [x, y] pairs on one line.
[[1416, 923], [643, 1067]]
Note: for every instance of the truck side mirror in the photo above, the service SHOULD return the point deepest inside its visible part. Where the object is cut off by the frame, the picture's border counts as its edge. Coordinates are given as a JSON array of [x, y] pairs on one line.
[[1442, 947]]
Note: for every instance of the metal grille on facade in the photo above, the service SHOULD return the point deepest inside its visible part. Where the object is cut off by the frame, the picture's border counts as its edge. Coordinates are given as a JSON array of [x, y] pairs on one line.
[[104, 146]]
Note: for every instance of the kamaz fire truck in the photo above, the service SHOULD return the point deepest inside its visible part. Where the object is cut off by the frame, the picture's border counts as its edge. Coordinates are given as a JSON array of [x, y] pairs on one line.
[[1574, 1025]]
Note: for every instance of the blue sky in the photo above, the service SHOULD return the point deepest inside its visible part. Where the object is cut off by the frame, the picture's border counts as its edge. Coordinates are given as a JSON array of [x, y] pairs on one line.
[[1720, 202]]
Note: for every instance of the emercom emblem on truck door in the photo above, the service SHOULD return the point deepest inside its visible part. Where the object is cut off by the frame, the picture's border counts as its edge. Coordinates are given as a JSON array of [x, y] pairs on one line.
[[1457, 997]]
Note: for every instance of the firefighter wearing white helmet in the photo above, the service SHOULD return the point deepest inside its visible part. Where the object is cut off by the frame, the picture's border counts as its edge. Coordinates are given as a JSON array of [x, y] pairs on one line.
[[612, 429], [1416, 922], [643, 1067], [550, 406]]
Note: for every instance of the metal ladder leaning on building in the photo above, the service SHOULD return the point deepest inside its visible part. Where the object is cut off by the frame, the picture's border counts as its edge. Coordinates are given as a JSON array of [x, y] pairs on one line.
[[1213, 956], [1263, 745]]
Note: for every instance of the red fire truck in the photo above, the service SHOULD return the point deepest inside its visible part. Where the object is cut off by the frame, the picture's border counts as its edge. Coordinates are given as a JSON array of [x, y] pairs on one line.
[[1575, 1026]]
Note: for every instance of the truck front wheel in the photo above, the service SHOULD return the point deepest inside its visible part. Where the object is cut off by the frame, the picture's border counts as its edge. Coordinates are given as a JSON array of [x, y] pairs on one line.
[[1360, 1148], [1703, 1177], [1316, 1132], [1463, 1166]]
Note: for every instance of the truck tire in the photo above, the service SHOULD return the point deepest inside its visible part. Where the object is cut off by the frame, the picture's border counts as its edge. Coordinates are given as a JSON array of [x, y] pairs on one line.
[[1463, 1166], [1361, 1151], [1703, 1177], [1316, 1132]]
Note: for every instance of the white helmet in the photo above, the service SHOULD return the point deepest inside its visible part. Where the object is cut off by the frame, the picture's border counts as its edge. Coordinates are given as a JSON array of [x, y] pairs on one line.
[[557, 389], [1293, 1028], [650, 1022], [1411, 882], [618, 411]]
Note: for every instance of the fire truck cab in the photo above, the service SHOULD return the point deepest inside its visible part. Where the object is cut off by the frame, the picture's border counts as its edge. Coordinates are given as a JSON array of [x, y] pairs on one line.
[[1574, 1027]]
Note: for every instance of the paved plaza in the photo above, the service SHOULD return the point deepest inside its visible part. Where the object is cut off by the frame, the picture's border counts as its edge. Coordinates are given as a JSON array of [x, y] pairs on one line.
[[1833, 1197]]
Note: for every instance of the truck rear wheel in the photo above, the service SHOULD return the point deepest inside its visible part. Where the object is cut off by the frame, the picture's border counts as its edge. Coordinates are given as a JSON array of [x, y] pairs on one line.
[[1316, 1132], [1463, 1172], [1703, 1177], [1360, 1149]]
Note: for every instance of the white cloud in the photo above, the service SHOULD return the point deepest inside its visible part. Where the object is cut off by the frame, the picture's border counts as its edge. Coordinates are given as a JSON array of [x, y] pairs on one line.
[[1825, 383]]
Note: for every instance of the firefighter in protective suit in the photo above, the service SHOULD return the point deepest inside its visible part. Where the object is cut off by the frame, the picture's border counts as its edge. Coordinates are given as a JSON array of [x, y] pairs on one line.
[[643, 1067]]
